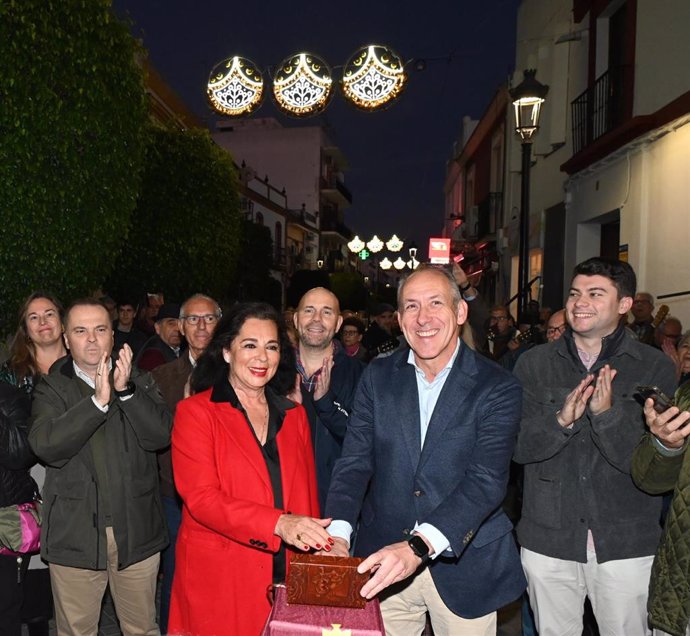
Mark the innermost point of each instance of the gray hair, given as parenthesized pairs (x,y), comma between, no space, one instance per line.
(194,297)
(455,294)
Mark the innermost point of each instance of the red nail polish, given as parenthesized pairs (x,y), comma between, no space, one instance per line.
(318,547)
(331,541)
(327,548)
(306,547)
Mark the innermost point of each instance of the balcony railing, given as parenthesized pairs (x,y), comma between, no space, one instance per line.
(302,217)
(333,184)
(600,108)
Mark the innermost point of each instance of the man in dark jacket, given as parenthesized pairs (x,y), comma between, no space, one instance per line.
(166,344)
(328,379)
(97,426)
(198,319)
(586,530)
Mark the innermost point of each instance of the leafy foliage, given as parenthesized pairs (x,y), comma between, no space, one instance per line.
(254,280)
(72,107)
(186,228)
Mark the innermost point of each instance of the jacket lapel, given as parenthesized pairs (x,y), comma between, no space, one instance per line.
(242,440)
(405,407)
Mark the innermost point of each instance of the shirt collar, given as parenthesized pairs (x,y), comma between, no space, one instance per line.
(411,360)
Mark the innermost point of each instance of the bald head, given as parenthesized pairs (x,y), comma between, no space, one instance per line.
(317,318)
(556,325)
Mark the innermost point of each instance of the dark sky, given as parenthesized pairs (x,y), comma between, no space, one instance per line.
(397,157)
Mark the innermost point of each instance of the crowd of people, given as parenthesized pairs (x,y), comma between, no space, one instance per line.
(192,450)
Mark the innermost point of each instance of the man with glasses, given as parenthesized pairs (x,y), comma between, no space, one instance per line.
(668,333)
(501,332)
(556,326)
(351,334)
(198,318)
(642,310)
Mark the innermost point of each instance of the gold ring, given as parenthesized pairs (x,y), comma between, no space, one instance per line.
(299,537)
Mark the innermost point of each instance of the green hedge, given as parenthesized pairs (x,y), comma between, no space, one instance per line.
(186,228)
(72,108)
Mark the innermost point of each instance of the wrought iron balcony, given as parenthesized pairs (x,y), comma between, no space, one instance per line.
(600,108)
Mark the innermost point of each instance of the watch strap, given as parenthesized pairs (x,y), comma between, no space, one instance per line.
(127,391)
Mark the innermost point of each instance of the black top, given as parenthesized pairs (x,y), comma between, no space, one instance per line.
(223,392)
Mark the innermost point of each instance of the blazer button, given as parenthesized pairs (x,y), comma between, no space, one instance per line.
(406,531)
(418,493)
(252,541)
(263,544)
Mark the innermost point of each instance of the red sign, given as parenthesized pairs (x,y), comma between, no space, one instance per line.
(439,251)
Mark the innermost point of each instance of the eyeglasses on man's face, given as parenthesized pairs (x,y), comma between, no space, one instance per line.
(554,330)
(193,319)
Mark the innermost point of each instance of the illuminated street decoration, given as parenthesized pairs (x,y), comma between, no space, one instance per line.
(385,263)
(399,263)
(303,85)
(375,245)
(395,244)
(373,77)
(235,87)
(356,244)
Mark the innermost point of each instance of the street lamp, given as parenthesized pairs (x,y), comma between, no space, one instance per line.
(528,96)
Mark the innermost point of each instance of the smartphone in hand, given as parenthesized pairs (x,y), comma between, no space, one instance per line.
(662,402)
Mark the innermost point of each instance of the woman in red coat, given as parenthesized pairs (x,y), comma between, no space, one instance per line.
(244,467)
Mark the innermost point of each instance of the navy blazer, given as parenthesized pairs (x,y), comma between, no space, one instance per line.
(456,482)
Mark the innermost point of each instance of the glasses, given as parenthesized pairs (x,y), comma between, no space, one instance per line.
(193,319)
(553,330)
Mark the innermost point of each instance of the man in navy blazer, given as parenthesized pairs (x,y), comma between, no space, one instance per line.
(424,469)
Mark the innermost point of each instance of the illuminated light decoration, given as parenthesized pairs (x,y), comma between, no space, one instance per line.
(356,245)
(399,263)
(386,263)
(303,85)
(395,244)
(375,245)
(373,77)
(413,263)
(364,254)
(235,87)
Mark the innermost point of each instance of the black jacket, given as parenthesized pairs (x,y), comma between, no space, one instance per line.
(63,423)
(328,417)
(580,478)
(16,485)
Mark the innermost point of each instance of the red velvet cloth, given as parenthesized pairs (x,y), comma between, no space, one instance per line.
(296,620)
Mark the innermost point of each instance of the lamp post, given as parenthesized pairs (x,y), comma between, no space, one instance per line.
(528,96)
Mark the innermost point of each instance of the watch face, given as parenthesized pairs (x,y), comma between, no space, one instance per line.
(419,546)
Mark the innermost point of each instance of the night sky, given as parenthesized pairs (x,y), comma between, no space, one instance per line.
(398,156)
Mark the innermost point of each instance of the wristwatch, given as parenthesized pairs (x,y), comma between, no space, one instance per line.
(419,547)
(127,391)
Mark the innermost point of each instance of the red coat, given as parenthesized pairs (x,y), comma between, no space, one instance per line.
(226,543)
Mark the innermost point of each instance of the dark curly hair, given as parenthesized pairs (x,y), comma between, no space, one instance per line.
(211,367)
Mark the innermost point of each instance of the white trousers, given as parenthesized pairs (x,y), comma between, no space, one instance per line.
(617,591)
